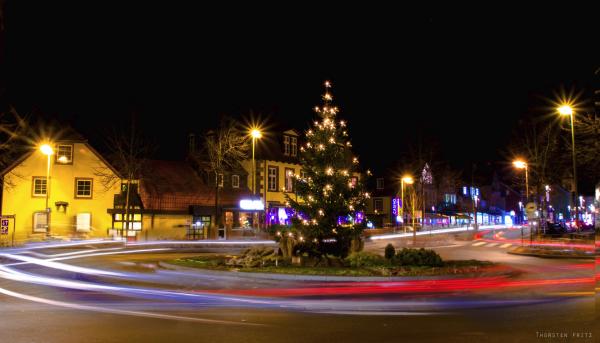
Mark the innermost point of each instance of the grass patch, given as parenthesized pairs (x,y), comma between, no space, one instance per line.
(218,262)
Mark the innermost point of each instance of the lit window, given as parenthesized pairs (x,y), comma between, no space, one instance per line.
(83,188)
(39,186)
(64,154)
(450,198)
(289,180)
(40,221)
(272,174)
(294,146)
(235,181)
(354,181)
(286,145)
(380,183)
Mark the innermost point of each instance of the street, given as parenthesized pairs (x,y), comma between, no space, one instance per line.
(106,293)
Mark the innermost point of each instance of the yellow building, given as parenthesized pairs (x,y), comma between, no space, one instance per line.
(63,194)
(277,163)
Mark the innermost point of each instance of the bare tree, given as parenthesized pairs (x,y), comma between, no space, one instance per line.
(587,135)
(224,148)
(127,153)
(13,140)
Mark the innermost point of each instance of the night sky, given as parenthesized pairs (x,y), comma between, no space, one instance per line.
(455,78)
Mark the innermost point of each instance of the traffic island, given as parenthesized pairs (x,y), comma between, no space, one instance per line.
(546,252)
(358,266)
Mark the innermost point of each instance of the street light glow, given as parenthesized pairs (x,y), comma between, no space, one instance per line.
(255,133)
(408,180)
(46,149)
(565,110)
(520,164)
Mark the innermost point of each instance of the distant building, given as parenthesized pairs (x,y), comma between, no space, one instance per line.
(176,202)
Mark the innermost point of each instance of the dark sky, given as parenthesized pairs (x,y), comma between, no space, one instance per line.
(443,74)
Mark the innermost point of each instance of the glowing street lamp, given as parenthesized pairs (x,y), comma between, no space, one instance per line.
(255,134)
(47,150)
(566,110)
(407,179)
(519,164)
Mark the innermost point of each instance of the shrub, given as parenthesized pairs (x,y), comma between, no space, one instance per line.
(418,257)
(365,259)
(389,251)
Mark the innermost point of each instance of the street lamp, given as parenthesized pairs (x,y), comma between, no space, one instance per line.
(407,179)
(47,150)
(255,134)
(519,164)
(566,110)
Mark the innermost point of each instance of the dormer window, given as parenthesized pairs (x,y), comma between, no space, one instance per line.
(286,145)
(294,146)
(64,154)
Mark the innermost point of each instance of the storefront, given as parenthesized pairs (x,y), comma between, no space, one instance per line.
(243,220)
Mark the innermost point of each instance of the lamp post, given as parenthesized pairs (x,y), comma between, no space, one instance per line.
(47,150)
(520,164)
(255,133)
(566,110)
(408,180)
(523,165)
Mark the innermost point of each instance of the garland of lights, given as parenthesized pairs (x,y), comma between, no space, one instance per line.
(331,187)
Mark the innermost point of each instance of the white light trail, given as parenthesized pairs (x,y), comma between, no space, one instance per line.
(117,311)
(438,231)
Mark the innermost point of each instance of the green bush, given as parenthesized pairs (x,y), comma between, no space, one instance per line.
(365,259)
(389,251)
(418,257)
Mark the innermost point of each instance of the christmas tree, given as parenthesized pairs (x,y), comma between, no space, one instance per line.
(328,217)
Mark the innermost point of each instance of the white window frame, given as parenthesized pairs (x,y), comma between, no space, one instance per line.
(294,141)
(235,181)
(286,145)
(83,222)
(37,226)
(382,185)
(289,179)
(272,178)
(60,153)
(220,179)
(39,178)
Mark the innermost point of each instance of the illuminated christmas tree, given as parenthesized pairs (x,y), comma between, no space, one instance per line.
(329,215)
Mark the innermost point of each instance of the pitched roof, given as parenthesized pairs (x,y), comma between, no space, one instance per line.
(175,186)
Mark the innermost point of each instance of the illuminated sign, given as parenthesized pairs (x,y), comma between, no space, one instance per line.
(396,204)
(255,205)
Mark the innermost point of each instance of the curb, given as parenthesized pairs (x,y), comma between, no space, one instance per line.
(577,257)
(300,277)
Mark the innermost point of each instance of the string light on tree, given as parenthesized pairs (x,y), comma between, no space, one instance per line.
(326,170)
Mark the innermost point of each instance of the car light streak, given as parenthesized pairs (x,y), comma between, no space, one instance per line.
(437,232)
(121,312)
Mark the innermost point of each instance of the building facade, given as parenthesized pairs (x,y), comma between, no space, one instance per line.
(65,194)
(277,168)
